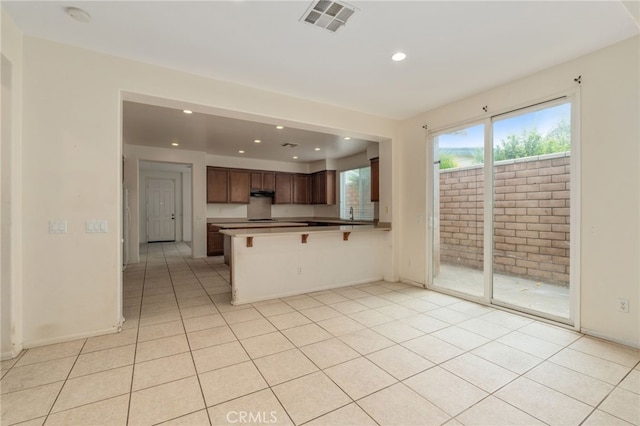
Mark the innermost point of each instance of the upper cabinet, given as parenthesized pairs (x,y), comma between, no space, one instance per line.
(301,189)
(228,185)
(263,181)
(239,186)
(217,185)
(256,181)
(323,187)
(375,179)
(235,186)
(284,188)
(268,181)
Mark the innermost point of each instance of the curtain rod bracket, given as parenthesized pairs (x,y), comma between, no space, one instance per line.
(578,79)
(485,108)
(425,127)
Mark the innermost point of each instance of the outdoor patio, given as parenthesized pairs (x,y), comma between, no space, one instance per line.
(529,294)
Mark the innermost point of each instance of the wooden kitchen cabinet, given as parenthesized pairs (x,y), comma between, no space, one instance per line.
(375,179)
(323,187)
(239,186)
(217,185)
(268,181)
(235,186)
(301,189)
(284,188)
(263,181)
(215,241)
(256,181)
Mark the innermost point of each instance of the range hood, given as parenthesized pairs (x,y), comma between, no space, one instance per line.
(262,193)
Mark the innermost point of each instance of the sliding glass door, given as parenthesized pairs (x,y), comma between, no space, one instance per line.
(458,210)
(531,211)
(521,257)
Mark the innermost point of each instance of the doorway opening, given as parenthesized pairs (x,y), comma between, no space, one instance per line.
(502,222)
(164,202)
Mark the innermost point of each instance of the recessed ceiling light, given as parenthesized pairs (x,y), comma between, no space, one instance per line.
(347,138)
(175,144)
(257,141)
(241,152)
(279,127)
(187,111)
(295,157)
(399,56)
(78,14)
(317,149)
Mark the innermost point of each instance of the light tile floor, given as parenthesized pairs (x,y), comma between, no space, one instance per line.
(377,353)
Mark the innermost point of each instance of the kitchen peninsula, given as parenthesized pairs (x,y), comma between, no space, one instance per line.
(218,244)
(268,263)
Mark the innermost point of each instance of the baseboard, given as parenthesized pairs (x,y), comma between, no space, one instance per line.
(61,339)
(11,354)
(412,282)
(236,302)
(593,333)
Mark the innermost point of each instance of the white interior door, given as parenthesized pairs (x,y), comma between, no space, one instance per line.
(161,211)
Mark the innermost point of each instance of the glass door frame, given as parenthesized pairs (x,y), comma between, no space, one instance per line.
(435,221)
(570,96)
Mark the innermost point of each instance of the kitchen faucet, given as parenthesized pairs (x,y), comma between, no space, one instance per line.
(351,212)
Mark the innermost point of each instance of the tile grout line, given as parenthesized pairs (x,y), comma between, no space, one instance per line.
(135,352)
(65,382)
(193,361)
(342,315)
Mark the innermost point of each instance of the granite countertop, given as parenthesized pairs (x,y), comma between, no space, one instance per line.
(245,224)
(286,221)
(244,232)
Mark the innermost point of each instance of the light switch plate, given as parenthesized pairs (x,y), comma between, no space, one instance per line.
(57,226)
(96,226)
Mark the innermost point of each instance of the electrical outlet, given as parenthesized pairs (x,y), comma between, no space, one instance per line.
(623,305)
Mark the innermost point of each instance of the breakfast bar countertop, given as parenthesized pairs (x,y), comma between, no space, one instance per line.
(244,232)
(247,224)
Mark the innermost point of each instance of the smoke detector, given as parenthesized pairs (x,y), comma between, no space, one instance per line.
(327,14)
(78,14)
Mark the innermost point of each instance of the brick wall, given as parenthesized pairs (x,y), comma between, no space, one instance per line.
(531,213)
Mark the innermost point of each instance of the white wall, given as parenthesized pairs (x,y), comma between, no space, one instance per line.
(256,164)
(71,141)
(610,135)
(11,197)
(5,209)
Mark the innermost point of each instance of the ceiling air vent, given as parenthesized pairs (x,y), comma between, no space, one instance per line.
(327,14)
(289,145)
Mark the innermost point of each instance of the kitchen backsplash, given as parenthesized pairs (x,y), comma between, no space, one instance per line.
(227,210)
(291,210)
(259,208)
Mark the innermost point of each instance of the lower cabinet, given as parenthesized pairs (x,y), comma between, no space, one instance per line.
(215,241)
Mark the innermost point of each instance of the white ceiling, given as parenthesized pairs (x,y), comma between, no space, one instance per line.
(158,126)
(454,49)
